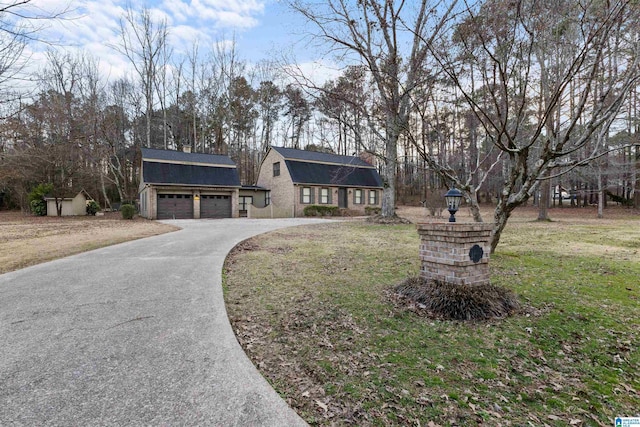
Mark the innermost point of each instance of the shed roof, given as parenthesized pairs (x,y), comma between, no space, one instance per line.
(68,195)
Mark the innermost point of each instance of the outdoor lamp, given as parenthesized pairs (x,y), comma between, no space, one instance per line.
(453,198)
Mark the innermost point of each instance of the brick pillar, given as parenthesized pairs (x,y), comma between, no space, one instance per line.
(455,252)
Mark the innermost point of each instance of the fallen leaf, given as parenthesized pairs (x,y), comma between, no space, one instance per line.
(322,405)
(575,422)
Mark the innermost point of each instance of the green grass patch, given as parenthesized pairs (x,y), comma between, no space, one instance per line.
(311,307)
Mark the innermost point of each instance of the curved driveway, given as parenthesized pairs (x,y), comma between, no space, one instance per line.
(133,334)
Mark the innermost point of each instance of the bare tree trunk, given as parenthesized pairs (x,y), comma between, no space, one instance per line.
(500,218)
(545,195)
(474,206)
(600,193)
(389,177)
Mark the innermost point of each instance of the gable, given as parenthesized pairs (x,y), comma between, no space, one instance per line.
(188,174)
(332,174)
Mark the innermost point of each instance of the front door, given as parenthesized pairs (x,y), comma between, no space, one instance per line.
(342,198)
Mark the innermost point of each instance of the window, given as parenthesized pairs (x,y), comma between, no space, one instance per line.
(306,195)
(373,197)
(276,169)
(325,196)
(244,202)
(357,197)
(267,198)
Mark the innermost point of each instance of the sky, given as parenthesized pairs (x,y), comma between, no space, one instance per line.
(263,29)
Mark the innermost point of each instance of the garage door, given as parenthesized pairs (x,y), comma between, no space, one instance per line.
(215,206)
(175,206)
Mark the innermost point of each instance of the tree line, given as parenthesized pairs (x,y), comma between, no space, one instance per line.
(512,102)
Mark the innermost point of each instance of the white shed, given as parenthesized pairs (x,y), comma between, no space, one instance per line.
(76,205)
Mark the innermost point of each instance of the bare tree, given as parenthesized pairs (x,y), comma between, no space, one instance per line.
(143,42)
(390,38)
(21,23)
(501,44)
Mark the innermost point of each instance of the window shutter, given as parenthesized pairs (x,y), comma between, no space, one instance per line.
(354,196)
(312,193)
(330,199)
(301,194)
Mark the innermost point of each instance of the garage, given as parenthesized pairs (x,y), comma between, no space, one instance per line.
(175,184)
(175,206)
(215,206)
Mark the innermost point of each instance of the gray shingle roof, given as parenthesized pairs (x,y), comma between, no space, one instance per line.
(179,168)
(179,156)
(313,156)
(181,174)
(311,167)
(332,174)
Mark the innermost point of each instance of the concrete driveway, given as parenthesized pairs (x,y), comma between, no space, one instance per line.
(133,334)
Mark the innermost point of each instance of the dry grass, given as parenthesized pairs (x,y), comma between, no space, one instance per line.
(310,307)
(29,240)
(617,235)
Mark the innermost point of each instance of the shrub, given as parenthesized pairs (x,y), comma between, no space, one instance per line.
(320,210)
(127,211)
(620,199)
(38,207)
(458,302)
(37,203)
(372,210)
(92,207)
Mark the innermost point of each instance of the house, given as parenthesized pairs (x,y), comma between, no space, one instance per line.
(71,204)
(181,185)
(298,178)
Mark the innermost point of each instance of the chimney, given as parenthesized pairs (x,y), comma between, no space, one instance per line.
(186,148)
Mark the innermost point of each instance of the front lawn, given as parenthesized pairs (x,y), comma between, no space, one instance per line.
(311,307)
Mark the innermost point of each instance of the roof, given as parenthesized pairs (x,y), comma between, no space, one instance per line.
(179,168)
(68,196)
(311,167)
(254,187)
(338,175)
(314,156)
(181,174)
(181,157)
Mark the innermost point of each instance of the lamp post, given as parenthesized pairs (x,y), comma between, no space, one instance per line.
(453,198)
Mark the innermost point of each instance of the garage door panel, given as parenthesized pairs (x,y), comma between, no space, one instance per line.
(215,206)
(175,206)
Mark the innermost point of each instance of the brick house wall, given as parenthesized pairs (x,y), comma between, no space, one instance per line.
(358,208)
(286,194)
(281,186)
